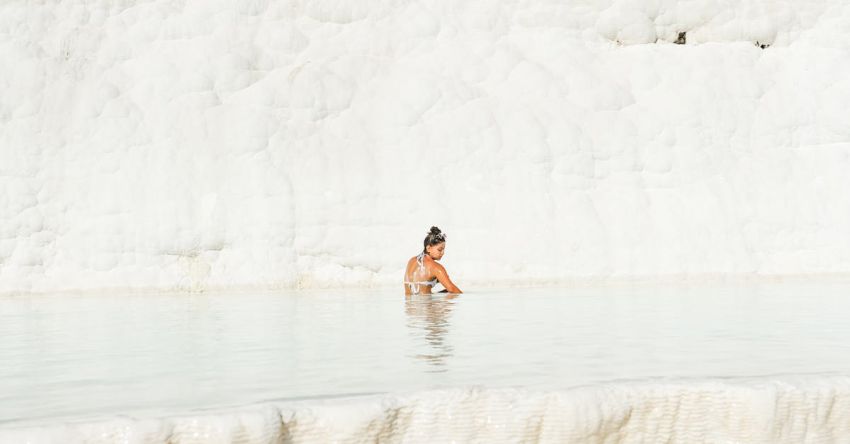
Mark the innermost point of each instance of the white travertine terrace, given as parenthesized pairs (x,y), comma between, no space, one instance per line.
(218,143)
(777,411)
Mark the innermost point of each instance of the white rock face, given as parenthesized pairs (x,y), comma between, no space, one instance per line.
(209,143)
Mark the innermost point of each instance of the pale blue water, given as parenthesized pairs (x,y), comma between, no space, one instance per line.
(69,357)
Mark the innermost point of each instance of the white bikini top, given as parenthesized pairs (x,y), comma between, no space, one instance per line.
(420,259)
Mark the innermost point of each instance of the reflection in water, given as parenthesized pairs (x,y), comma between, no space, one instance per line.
(427,317)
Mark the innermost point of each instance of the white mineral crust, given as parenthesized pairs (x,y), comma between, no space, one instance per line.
(217,143)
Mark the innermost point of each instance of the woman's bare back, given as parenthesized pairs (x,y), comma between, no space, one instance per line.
(418,277)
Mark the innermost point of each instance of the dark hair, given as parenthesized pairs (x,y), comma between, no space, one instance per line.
(434,237)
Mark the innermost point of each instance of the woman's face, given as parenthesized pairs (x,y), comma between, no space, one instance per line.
(436,251)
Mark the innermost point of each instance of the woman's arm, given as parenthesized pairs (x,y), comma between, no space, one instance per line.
(443,277)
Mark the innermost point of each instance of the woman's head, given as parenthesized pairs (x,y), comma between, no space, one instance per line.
(435,243)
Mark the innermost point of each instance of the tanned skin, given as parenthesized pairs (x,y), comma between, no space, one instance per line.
(432,269)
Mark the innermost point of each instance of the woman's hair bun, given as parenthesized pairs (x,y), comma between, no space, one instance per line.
(434,237)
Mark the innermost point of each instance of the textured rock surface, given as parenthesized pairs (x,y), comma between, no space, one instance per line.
(814,410)
(200,144)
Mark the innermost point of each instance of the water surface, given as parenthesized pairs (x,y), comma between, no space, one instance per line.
(72,357)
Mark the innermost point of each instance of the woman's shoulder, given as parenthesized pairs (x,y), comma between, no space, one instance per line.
(430,262)
(411,260)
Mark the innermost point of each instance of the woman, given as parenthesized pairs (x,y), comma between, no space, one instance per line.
(423,272)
